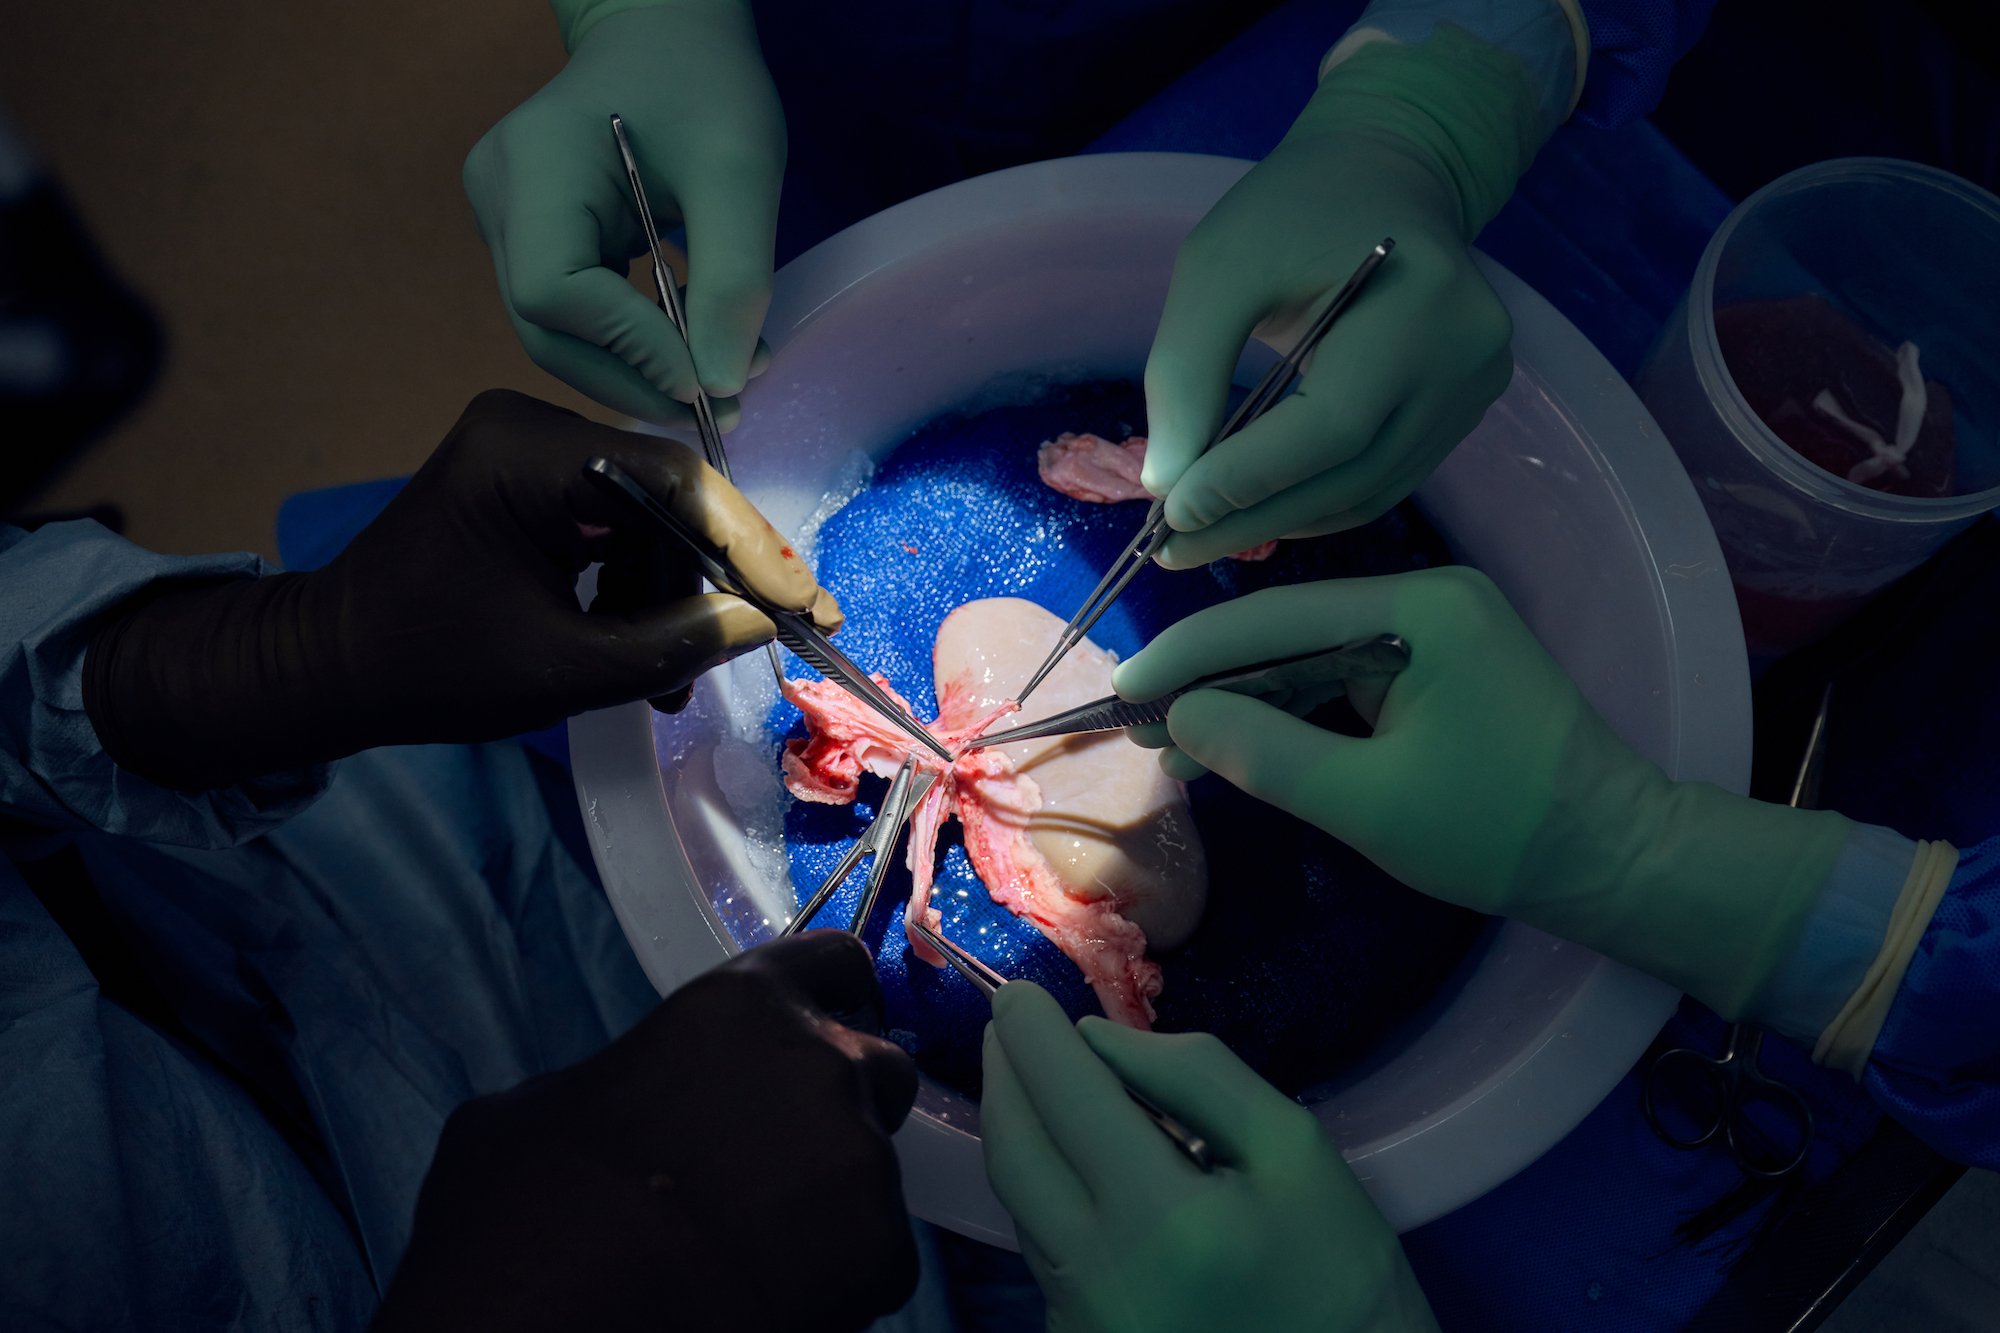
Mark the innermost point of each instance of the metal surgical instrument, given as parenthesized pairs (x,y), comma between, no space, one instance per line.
(1192,1145)
(1153,533)
(906,793)
(1734,1077)
(670,301)
(1383,655)
(795,630)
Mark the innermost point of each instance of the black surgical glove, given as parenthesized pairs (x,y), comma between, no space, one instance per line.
(724,1165)
(451,617)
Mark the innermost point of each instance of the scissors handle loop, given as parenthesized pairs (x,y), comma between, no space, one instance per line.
(1711,1069)
(1737,1082)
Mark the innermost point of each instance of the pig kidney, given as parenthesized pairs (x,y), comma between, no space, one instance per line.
(1111,823)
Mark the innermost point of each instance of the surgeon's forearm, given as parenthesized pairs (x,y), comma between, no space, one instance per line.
(1474,86)
(1701,888)
(1801,920)
(1550,39)
(195,688)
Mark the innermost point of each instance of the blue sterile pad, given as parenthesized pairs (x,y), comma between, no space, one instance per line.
(1307,952)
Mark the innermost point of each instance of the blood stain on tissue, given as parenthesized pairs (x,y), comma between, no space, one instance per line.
(995,803)
(1093,469)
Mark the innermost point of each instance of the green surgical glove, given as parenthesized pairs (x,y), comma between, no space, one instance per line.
(1421,143)
(550,194)
(1489,782)
(1123,1233)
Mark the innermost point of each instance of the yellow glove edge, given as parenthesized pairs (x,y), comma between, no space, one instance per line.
(1850,1037)
(1704,889)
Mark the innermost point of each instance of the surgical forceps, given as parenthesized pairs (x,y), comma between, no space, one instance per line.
(1286,678)
(795,629)
(906,793)
(1733,1077)
(1192,1145)
(1153,533)
(670,301)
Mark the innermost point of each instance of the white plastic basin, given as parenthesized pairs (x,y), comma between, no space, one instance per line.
(1567,495)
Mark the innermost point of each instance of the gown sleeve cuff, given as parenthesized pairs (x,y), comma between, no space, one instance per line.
(58,586)
(1550,37)
(1842,937)
(1848,1040)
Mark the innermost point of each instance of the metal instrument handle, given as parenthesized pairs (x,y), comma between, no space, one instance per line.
(795,631)
(987,982)
(1736,1080)
(803,917)
(1711,1068)
(878,839)
(883,834)
(670,301)
(983,978)
(1153,533)
(1383,655)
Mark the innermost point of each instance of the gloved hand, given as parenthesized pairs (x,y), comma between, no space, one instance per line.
(550,194)
(1123,1233)
(1491,783)
(1420,143)
(452,617)
(724,1165)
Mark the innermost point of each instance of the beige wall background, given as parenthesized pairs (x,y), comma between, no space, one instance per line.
(281,180)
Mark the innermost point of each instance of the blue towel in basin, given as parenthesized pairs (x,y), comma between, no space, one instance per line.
(1307,953)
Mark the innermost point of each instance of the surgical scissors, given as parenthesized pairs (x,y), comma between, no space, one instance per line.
(986,981)
(1736,1081)
(1153,533)
(906,793)
(1734,1077)
(1302,674)
(795,630)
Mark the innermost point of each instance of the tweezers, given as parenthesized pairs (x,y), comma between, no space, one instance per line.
(670,301)
(906,793)
(1153,533)
(795,631)
(669,293)
(984,979)
(1383,655)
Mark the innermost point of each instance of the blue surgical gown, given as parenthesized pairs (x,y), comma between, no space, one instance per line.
(232,1023)
(1936,1063)
(344,955)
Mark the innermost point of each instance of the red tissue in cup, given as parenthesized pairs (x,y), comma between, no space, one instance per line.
(1839,397)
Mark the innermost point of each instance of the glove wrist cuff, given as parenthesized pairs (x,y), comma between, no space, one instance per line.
(1551,38)
(1849,1039)
(1469,111)
(1705,890)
